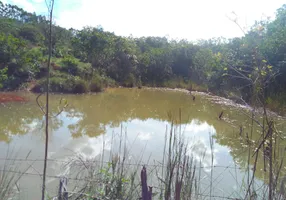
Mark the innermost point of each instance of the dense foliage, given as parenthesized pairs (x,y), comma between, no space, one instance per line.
(91,59)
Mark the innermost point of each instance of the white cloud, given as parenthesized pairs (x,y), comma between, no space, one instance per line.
(191,19)
(145,136)
(25,4)
(38,1)
(197,127)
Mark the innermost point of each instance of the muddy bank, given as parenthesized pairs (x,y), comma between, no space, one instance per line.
(222,101)
(6,97)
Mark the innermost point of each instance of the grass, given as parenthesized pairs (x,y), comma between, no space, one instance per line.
(178,169)
(10,174)
(111,179)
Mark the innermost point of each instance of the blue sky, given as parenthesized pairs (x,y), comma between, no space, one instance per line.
(178,19)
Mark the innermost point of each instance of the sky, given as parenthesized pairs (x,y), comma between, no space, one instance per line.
(176,19)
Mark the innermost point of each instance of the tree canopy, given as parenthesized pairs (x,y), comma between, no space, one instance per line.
(91,58)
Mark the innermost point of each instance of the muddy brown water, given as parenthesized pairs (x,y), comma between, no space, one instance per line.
(144,114)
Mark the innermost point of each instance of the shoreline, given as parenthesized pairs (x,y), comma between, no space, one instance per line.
(209,95)
(222,101)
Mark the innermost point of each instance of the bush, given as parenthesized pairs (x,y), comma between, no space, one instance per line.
(277,102)
(130,81)
(61,51)
(95,86)
(98,83)
(79,85)
(85,70)
(3,76)
(73,84)
(58,84)
(70,65)
(108,82)
(31,33)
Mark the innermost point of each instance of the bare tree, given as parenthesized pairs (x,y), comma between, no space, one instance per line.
(50,6)
(258,79)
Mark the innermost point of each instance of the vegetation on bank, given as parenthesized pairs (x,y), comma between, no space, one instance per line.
(91,59)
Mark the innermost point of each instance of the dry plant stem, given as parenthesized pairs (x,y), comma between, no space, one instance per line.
(163,164)
(249,151)
(146,193)
(253,176)
(47,100)
(270,164)
(169,167)
(263,145)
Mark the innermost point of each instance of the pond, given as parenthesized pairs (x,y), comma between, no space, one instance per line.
(90,122)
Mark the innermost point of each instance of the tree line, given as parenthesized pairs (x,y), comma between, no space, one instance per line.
(91,59)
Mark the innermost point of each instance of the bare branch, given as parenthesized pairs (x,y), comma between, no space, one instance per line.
(61,110)
(37,100)
(235,20)
(245,77)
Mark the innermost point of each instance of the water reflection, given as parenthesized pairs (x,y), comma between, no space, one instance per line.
(22,118)
(92,124)
(92,113)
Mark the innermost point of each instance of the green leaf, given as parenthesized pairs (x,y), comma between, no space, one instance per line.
(225,68)
(263,73)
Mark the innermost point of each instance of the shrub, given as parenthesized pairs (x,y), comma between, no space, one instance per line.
(108,82)
(70,65)
(3,76)
(31,33)
(85,70)
(58,84)
(98,83)
(61,51)
(95,85)
(79,85)
(277,103)
(130,81)
(72,84)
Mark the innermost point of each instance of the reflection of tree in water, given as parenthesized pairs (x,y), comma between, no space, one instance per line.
(90,130)
(239,145)
(90,114)
(115,106)
(94,112)
(22,118)
(16,119)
